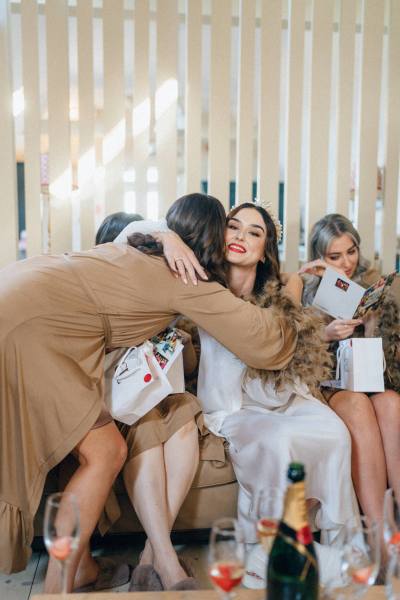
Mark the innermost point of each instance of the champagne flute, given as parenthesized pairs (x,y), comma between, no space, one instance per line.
(361,555)
(226,556)
(61,531)
(269,508)
(391,520)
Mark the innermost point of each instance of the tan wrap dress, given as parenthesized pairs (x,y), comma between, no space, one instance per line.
(58,314)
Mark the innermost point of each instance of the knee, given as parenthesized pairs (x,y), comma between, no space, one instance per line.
(353,407)
(188,429)
(387,406)
(109,454)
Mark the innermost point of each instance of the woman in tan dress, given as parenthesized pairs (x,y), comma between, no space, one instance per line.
(58,316)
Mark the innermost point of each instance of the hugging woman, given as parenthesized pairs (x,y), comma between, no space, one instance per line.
(58,317)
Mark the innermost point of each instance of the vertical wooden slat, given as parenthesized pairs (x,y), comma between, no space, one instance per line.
(366,191)
(219,107)
(114,104)
(269,103)
(8,204)
(30,75)
(58,126)
(87,154)
(391,195)
(293,134)
(348,11)
(193,95)
(141,103)
(166,101)
(245,112)
(321,68)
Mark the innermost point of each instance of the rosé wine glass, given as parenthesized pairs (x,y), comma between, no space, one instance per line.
(62,531)
(226,556)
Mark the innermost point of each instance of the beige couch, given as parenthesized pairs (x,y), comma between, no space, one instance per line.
(213,495)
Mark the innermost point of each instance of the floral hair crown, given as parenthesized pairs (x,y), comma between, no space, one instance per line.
(268,207)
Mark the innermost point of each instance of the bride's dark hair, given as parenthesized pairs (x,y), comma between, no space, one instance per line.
(199,220)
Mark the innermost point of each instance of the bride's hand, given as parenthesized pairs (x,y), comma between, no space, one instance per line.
(340,329)
(180,258)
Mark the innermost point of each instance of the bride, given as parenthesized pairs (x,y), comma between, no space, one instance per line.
(271,418)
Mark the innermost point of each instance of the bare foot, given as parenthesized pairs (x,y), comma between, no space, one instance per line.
(87,571)
(169,570)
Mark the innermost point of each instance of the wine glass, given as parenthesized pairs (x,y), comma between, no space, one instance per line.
(269,507)
(361,555)
(391,520)
(226,556)
(61,530)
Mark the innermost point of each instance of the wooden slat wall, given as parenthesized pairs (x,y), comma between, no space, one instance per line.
(347,29)
(245,112)
(193,133)
(269,103)
(219,130)
(30,76)
(166,101)
(8,203)
(113,118)
(366,184)
(59,165)
(293,134)
(391,191)
(141,103)
(321,72)
(209,153)
(87,154)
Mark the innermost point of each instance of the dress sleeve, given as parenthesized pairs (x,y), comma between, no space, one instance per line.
(260,337)
(144,226)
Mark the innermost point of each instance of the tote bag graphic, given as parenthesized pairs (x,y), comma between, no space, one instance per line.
(139,382)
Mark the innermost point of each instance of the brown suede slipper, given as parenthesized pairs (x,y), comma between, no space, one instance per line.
(190,583)
(145,579)
(111,575)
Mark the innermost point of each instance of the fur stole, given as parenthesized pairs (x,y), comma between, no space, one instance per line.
(311,362)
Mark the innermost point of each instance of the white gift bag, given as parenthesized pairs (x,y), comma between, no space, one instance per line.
(360,365)
(138,382)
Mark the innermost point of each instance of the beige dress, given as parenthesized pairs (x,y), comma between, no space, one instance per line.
(58,314)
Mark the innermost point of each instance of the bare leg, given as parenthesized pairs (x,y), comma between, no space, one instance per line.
(367,457)
(101,454)
(387,409)
(150,487)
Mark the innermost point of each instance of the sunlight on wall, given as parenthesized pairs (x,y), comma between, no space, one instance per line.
(166,95)
(114,142)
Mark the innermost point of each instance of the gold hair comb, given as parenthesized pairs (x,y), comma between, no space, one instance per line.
(268,207)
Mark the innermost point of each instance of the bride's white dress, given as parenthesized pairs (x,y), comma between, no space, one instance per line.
(266,430)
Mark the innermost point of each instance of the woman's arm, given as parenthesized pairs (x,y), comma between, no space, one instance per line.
(292,286)
(180,258)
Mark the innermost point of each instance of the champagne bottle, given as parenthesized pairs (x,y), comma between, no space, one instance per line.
(292,572)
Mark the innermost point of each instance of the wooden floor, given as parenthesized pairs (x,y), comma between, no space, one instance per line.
(22,586)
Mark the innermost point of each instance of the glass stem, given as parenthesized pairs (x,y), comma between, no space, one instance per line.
(64,578)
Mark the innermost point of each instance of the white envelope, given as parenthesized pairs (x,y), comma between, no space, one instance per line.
(337,295)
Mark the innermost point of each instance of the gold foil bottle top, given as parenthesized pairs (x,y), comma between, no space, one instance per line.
(295,513)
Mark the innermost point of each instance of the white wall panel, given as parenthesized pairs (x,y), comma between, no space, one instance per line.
(245,111)
(269,103)
(347,32)
(366,185)
(219,131)
(321,72)
(113,121)
(59,163)
(141,103)
(87,154)
(391,190)
(30,76)
(291,226)
(193,96)
(166,101)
